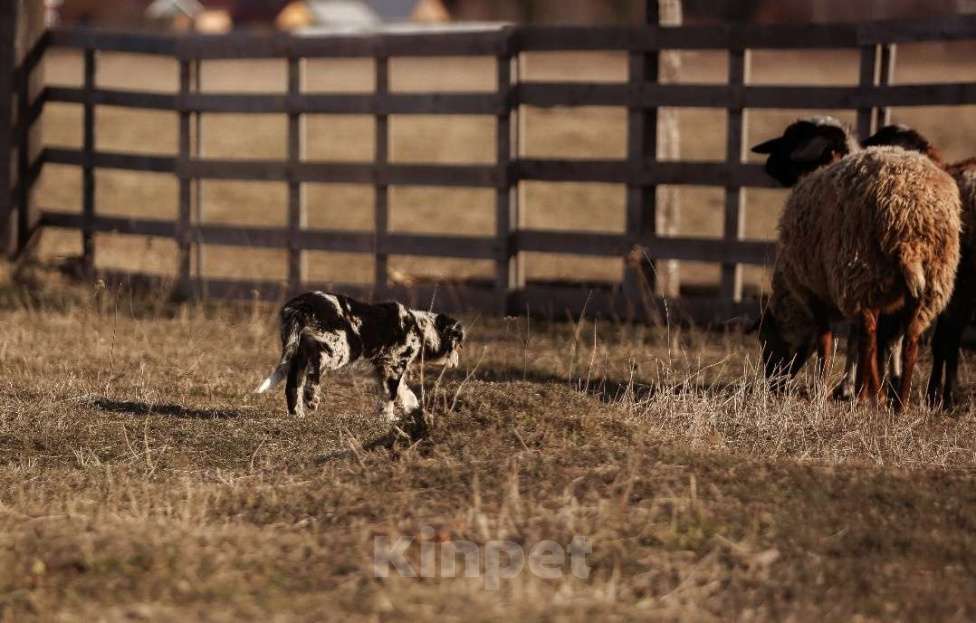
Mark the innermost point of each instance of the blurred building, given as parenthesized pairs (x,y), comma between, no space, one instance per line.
(698,11)
(213,15)
(219,15)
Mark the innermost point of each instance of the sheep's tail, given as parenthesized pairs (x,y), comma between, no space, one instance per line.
(291,335)
(914,275)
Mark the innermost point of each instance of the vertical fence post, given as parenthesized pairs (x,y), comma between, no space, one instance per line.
(8,38)
(183,227)
(735,195)
(641,149)
(88,167)
(887,76)
(507,269)
(381,208)
(23,158)
(197,216)
(297,218)
(868,78)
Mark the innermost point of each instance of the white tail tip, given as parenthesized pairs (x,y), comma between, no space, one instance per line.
(265,385)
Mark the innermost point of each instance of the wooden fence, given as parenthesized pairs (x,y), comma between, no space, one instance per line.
(641,172)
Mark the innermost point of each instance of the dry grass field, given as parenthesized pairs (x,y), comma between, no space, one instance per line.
(563,133)
(141,480)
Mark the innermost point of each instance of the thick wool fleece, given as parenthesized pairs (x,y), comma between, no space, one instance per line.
(866,232)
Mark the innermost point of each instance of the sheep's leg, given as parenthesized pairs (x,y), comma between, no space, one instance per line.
(891,327)
(945,355)
(825,350)
(848,386)
(909,355)
(939,342)
(870,377)
(945,345)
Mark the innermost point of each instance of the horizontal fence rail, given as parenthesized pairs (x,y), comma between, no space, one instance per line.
(642,171)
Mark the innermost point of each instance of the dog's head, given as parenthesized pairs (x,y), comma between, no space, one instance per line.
(443,340)
(805,146)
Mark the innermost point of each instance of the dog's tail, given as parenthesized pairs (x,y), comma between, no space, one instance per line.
(291,337)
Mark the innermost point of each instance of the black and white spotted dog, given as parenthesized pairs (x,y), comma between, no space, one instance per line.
(321,332)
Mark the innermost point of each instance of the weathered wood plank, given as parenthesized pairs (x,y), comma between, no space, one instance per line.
(886,78)
(348,173)
(381,191)
(600,171)
(114,97)
(112,160)
(184,239)
(297,216)
(868,77)
(305,103)
(88,167)
(734,223)
(10,136)
(558,301)
(577,243)
(507,265)
(642,147)
(542,95)
(755,252)
(110,224)
(109,41)
(469,247)
(551,94)
(465,247)
(621,172)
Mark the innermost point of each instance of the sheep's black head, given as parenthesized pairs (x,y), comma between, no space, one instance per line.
(906,138)
(806,146)
(783,354)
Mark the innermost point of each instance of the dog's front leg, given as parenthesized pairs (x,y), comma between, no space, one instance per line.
(389,376)
(408,400)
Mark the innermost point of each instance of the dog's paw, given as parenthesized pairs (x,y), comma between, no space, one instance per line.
(387,412)
(311,402)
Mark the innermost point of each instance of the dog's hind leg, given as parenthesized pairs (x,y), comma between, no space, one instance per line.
(296,379)
(313,379)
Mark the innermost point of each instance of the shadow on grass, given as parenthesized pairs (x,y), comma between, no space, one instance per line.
(609,390)
(405,434)
(171,410)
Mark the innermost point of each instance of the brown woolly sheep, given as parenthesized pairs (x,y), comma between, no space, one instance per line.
(872,232)
(825,140)
(949,328)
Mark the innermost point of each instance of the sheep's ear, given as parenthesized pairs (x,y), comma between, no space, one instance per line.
(768,147)
(813,150)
